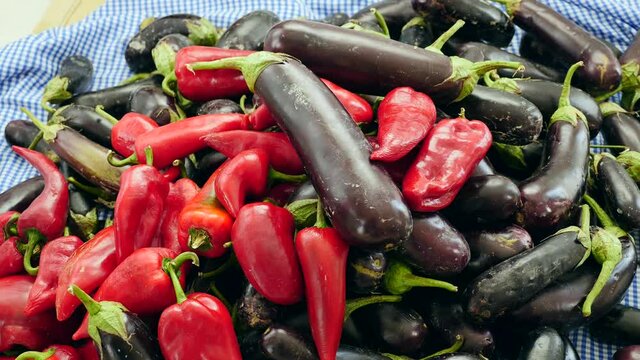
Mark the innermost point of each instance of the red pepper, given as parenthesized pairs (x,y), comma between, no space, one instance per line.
(127,129)
(396,169)
(173,172)
(139,207)
(282,156)
(446,160)
(140,283)
(54,352)
(211,84)
(405,117)
(262,238)
(53,257)
(10,257)
(87,268)
(180,194)
(46,217)
(323,257)
(89,351)
(8,224)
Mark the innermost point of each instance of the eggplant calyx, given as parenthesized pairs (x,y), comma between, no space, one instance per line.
(607,251)
(597,158)
(303,211)
(469,72)
(511,5)
(630,75)
(164,57)
(504,84)
(87,223)
(611,108)
(630,98)
(49,131)
(202,32)
(630,160)
(437,45)
(605,220)
(55,92)
(565,111)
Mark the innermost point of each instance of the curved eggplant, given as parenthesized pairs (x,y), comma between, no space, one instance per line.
(281,343)
(620,127)
(365,271)
(631,352)
(254,311)
(621,325)
(396,14)
(490,247)
(153,102)
(620,191)
(219,106)
(22,133)
(19,197)
(249,31)
(86,121)
(139,344)
(544,343)
(417,33)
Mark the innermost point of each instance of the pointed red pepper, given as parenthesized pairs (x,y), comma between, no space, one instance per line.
(282,156)
(127,129)
(87,268)
(53,257)
(405,117)
(139,207)
(54,352)
(262,238)
(323,257)
(180,194)
(446,160)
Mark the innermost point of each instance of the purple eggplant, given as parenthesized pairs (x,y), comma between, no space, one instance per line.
(282,343)
(417,32)
(219,106)
(620,127)
(365,271)
(620,191)
(22,133)
(74,77)
(254,311)
(336,19)
(484,167)
(490,247)
(153,102)
(621,325)
(19,197)
(543,343)
(86,121)
(305,191)
(249,31)
(396,14)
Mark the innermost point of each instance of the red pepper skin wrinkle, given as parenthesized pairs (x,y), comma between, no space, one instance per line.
(48,212)
(198,328)
(405,117)
(446,160)
(323,257)
(262,238)
(245,174)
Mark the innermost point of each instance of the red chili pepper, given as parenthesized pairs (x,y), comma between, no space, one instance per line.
(323,257)
(87,268)
(46,217)
(180,194)
(211,84)
(139,207)
(262,238)
(54,352)
(54,255)
(127,129)
(140,283)
(10,257)
(446,160)
(405,117)
(282,156)
(8,222)
(173,172)
(89,351)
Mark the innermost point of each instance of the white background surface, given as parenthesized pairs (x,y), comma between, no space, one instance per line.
(19,17)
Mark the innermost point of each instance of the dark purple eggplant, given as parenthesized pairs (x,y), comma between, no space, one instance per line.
(19,197)
(365,271)
(543,343)
(601,70)
(396,14)
(621,325)
(620,127)
(115,100)
(219,106)
(207,162)
(515,281)
(570,352)
(346,352)
(372,64)
(630,62)
(490,247)
(164,52)
(336,19)
(620,191)
(138,50)
(484,168)
(458,356)
(74,77)
(435,246)
(631,352)
(485,22)
(416,32)
(535,50)
(305,191)
(281,343)
(511,118)
(86,121)
(249,31)
(153,102)
(254,311)
(485,200)
(22,133)
(516,162)
(83,214)
(139,344)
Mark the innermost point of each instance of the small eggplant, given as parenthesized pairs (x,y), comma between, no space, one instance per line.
(620,127)
(631,352)
(396,14)
(337,19)
(254,311)
(484,167)
(490,247)
(86,121)
(543,343)
(153,102)
(516,162)
(20,196)
(83,215)
(22,133)
(219,106)
(620,191)
(249,31)
(281,343)
(164,53)
(417,33)
(74,77)
(365,271)
(621,325)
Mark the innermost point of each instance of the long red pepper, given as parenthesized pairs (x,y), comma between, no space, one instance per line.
(262,238)
(139,207)
(87,268)
(46,217)
(53,257)
(179,195)
(323,257)
(282,156)
(54,352)
(446,160)
(140,283)
(127,129)
(405,116)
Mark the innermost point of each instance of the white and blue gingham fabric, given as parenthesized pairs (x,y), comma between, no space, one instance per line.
(26,65)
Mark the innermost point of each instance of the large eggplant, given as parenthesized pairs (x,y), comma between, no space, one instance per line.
(86,121)
(74,77)
(20,196)
(153,102)
(22,133)
(491,246)
(249,31)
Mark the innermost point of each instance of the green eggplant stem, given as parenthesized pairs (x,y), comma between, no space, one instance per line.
(601,214)
(36,355)
(131,160)
(382,22)
(242,104)
(92,306)
(609,147)
(34,238)
(135,77)
(566,86)
(172,268)
(45,105)
(399,279)
(36,140)
(321,220)
(275,175)
(231,261)
(567,112)
(105,115)
(607,250)
(451,349)
(48,131)
(355,304)
(437,45)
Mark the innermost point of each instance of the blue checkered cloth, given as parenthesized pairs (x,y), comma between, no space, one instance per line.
(26,65)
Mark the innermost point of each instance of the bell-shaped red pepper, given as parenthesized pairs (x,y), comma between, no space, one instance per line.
(53,257)
(127,129)
(87,268)
(262,238)
(446,160)
(54,352)
(323,257)
(139,207)
(405,117)
(180,194)
(141,284)
(396,169)
(10,257)
(282,156)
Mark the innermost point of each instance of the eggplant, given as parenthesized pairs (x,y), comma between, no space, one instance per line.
(490,247)
(484,167)
(336,19)
(396,14)
(630,61)
(620,127)
(86,121)
(435,246)
(74,77)
(19,197)
(619,190)
(511,118)
(485,22)
(631,352)
(115,100)
(416,32)
(83,214)
(219,106)
(304,192)
(249,31)
(281,343)
(22,133)
(535,50)
(346,352)
(543,343)
(365,271)
(621,325)
(164,52)
(153,102)
(138,50)
(458,356)
(254,311)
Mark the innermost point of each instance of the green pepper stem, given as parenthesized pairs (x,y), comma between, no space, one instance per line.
(110,118)
(131,160)
(36,140)
(355,304)
(566,85)
(275,175)
(92,306)
(172,268)
(36,355)
(167,84)
(242,103)
(321,220)
(601,214)
(437,45)
(93,190)
(382,22)
(398,279)
(451,349)
(34,238)
(231,260)
(148,154)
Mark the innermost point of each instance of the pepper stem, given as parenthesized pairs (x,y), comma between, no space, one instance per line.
(172,268)
(131,160)
(148,154)
(243,101)
(231,260)
(36,355)
(167,84)
(275,175)
(437,45)
(451,349)
(110,118)
(355,304)
(607,250)
(36,140)
(48,131)
(382,22)
(321,220)
(34,238)
(199,240)
(93,190)
(92,306)
(217,293)
(399,279)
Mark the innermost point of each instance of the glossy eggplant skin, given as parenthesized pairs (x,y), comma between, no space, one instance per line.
(303,192)
(416,33)
(153,102)
(346,352)
(395,12)
(141,344)
(622,129)
(86,121)
(249,31)
(549,197)
(20,196)
(365,271)
(219,106)
(558,305)
(458,356)
(356,195)
(511,118)
(485,200)
(341,55)
(621,325)
(515,281)
(114,99)
(435,246)
(620,192)
(254,311)
(22,133)
(535,50)
(631,352)
(491,246)
(78,70)
(543,343)
(484,167)
(484,22)
(281,343)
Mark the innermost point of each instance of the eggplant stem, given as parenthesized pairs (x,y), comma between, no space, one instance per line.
(148,154)
(437,45)
(92,306)
(321,220)
(275,175)
(104,114)
(601,214)
(355,304)
(382,22)
(131,160)
(451,349)
(36,140)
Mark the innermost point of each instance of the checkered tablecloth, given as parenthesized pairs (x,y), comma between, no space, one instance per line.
(26,65)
